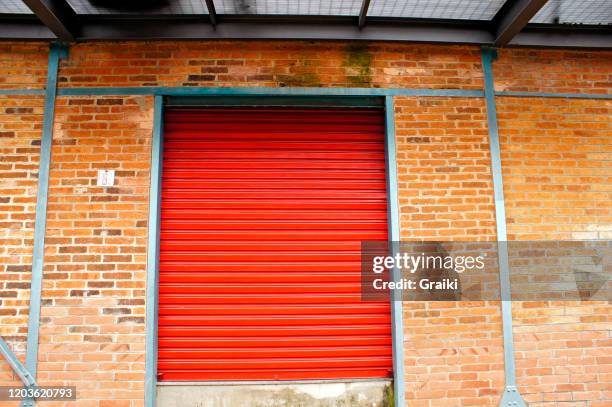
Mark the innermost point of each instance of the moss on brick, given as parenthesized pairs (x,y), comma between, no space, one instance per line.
(358,60)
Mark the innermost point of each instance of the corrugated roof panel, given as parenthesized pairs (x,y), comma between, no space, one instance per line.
(595,12)
(440,9)
(256,7)
(139,7)
(289,7)
(14,7)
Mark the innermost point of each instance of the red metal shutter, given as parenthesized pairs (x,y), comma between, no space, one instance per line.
(263,212)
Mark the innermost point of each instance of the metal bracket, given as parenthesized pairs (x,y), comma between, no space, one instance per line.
(27,403)
(512,398)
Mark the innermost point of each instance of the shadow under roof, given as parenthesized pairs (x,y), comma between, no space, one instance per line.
(541,23)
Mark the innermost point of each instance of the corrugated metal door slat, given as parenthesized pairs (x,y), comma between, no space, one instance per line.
(263,212)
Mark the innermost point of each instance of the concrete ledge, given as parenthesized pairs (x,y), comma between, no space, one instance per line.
(302,394)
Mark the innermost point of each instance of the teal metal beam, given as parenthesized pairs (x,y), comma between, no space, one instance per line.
(57,51)
(397,321)
(212,91)
(312,92)
(511,397)
(272,101)
(24,374)
(267,91)
(604,96)
(153,254)
(22,91)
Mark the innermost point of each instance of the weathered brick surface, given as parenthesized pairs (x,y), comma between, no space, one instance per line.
(444,168)
(20,131)
(453,349)
(557,160)
(520,69)
(563,352)
(272,63)
(556,156)
(23,65)
(92,327)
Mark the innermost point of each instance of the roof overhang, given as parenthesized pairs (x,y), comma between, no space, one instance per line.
(55,20)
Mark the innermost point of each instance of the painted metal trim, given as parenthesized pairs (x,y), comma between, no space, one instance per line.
(153,254)
(177,92)
(397,322)
(22,91)
(274,101)
(267,91)
(555,95)
(57,51)
(256,91)
(24,374)
(511,396)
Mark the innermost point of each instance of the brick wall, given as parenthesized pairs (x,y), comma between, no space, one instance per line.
(23,65)
(444,168)
(557,160)
(453,350)
(555,154)
(20,131)
(519,69)
(272,63)
(92,324)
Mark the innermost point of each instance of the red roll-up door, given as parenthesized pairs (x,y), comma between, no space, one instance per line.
(263,212)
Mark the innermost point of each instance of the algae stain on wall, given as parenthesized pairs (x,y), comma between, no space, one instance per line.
(358,62)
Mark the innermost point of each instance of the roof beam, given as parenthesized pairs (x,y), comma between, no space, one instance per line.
(513,17)
(308,30)
(596,37)
(212,13)
(57,15)
(25,29)
(363,13)
(377,29)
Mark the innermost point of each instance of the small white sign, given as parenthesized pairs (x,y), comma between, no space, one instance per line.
(106,178)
